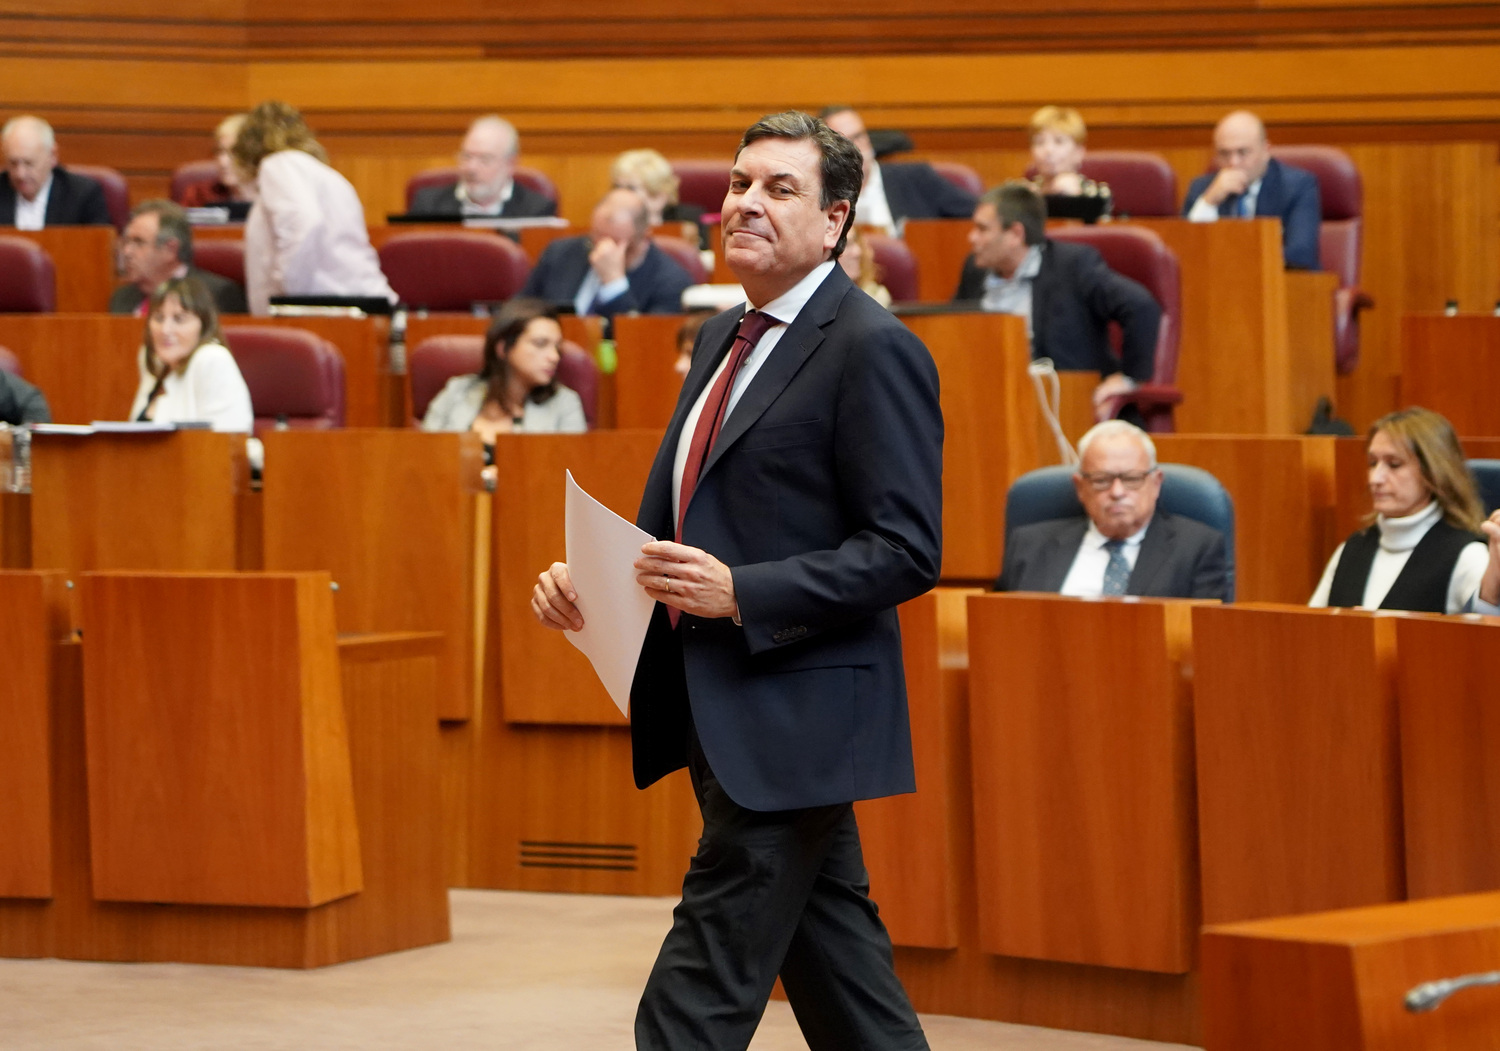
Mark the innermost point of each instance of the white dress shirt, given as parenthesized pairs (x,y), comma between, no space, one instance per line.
(784,309)
(1398,538)
(306,235)
(1012,295)
(32,214)
(1203,212)
(468,207)
(1085,578)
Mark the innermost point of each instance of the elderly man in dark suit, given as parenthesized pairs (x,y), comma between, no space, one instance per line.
(1065,291)
(894,192)
(486,184)
(798,494)
(35,191)
(157,245)
(1121,545)
(615,269)
(1250,182)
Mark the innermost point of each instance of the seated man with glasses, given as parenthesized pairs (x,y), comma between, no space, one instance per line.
(1122,545)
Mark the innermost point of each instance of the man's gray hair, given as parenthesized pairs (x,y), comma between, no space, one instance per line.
(1116,429)
(494,120)
(42,128)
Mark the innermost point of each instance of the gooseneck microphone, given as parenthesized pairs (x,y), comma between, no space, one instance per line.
(1429,995)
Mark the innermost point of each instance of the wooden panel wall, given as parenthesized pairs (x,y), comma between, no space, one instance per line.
(138,84)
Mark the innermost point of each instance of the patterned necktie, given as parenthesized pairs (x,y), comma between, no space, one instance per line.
(753,326)
(1117,573)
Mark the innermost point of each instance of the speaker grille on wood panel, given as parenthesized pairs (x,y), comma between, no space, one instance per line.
(552,854)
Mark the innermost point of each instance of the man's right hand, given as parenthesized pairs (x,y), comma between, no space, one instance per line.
(607,258)
(1230,182)
(553,597)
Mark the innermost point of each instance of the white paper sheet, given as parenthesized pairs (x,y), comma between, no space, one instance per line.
(602,549)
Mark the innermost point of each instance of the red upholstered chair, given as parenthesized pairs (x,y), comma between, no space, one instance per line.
(1142,256)
(704,183)
(116,190)
(685,254)
(960,175)
(28,280)
(1139,183)
(10,363)
(437,359)
(293,375)
(527,177)
(221,255)
(453,269)
(193,173)
(895,267)
(1340,237)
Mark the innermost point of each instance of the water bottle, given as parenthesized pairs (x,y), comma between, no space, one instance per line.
(20,460)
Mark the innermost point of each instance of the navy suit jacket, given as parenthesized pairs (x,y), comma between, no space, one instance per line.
(915,190)
(655,286)
(1179,558)
(524,203)
(74,200)
(1287,193)
(1073,299)
(823,494)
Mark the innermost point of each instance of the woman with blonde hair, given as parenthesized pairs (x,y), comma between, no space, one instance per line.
(306,232)
(1422,549)
(1058,135)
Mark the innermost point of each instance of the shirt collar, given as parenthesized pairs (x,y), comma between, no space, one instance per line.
(1092,538)
(785,307)
(1031,265)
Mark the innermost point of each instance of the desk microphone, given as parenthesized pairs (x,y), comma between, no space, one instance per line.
(1429,995)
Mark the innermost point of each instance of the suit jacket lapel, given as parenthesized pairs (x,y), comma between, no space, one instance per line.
(1057,556)
(801,338)
(1156,546)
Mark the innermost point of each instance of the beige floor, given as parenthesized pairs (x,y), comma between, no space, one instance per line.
(523,971)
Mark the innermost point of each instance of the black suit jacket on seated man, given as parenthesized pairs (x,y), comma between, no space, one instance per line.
(74,200)
(229,297)
(1074,297)
(915,190)
(656,285)
(1179,558)
(1286,193)
(823,494)
(524,202)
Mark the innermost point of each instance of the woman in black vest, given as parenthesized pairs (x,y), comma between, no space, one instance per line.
(1422,549)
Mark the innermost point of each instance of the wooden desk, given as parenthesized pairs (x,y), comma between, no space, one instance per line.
(1447,688)
(137,501)
(86,363)
(1282,489)
(1336,981)
(84,260)
(1451,365)
(1299,782)
(646,383)
(1083,797)
(387,692)
(401,521)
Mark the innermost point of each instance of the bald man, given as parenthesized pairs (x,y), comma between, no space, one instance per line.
(486,178)
(1251,183)
(615,269)
(35,191)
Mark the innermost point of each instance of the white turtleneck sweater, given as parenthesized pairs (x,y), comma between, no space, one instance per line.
(1398,536)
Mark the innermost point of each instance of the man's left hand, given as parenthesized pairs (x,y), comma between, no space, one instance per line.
(688,578)
(1119,383)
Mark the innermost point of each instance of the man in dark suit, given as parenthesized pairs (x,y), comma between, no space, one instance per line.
(1066,292)
(1250,182)
(1121,545)
(158,245)
(895,192)
(35,192)
(486,183)
(615,269)
(772,669)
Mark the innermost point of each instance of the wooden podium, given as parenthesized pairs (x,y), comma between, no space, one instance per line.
(1299,780)
(1451,365)
(1083,798)
(1337,981)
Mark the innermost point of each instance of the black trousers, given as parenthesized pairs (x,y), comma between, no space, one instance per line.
(785,892)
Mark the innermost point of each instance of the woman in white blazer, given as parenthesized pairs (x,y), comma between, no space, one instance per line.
(187,374)
(306,232)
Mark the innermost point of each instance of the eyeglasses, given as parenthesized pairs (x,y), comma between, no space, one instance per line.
(1101,481)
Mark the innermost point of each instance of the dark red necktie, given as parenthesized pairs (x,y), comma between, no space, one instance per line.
(753,326)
